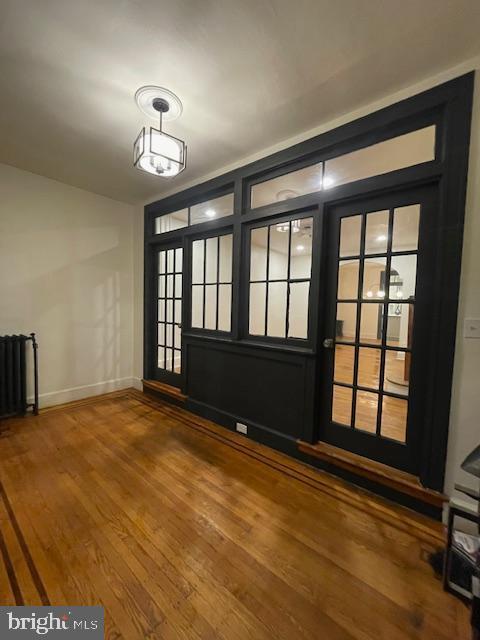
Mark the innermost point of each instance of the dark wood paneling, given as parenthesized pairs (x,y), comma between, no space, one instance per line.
(255,385)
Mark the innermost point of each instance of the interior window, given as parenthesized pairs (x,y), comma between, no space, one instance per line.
(171,221)
(196,214)
(279,285)
(286,186)
(212,209)
(212,283)
(389,155)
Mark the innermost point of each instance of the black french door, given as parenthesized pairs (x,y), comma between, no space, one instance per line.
(378,325)
(168,320)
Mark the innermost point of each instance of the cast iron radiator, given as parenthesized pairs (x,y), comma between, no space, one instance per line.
(13,375)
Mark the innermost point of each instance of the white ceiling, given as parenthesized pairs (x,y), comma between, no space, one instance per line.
(250,74)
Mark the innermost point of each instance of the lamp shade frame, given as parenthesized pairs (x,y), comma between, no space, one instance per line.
(143,147)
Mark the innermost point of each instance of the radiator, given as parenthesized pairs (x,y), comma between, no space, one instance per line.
(13,375)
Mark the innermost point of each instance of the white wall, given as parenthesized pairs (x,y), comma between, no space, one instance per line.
(66,273)
(465,408)
(138,296)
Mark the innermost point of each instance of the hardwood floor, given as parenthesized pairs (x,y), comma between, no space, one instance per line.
(180,532)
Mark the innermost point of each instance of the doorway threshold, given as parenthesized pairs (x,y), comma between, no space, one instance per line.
(164,392)
(381,474)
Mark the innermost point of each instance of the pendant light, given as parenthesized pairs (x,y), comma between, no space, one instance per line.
(155,151)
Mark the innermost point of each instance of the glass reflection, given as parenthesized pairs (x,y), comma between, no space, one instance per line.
(368,367)
(342,405)
(405,228)
(374,270)
(344,363)
(400,325)
(348,279)
(403,276)
(366,411)
(350,233)
(394,418)
(376,232)
(346,321)
(397,372)
(371,327)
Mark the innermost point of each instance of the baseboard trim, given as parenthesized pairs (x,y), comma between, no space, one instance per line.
(256,432)
(63,396)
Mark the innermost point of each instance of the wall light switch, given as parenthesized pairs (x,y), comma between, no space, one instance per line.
(471,328)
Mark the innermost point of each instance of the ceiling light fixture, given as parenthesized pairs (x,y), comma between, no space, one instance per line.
(283,227)
(210,213)
(300,247)
(154,151)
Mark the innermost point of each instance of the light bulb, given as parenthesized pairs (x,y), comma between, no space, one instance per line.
(381,238)
(380,294)
(328,181)
(369,294)
(210,213)
(300,247)
(399,294)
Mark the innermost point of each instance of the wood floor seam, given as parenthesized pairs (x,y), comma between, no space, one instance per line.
(12,578)
(35,575)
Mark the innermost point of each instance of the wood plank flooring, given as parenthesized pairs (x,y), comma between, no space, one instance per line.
(180,534)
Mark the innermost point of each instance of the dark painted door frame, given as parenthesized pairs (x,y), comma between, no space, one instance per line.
(406,456)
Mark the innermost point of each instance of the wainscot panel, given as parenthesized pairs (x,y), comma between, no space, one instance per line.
(256,385)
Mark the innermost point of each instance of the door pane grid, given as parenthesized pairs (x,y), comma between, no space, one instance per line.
(358,321)
(279,279)
(265,331)
(169,310)
(211,287)
(385,296)
(384,321)
(204,313)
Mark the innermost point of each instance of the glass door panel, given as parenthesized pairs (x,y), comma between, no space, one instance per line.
(169,314)
(378,275)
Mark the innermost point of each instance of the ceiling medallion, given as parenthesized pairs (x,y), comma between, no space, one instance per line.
(155,151)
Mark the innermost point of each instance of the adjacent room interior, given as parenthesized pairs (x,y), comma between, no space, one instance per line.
(240,318)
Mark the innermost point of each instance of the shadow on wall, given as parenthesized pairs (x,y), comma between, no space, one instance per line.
(72,286)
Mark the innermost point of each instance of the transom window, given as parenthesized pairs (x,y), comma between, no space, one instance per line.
(377,268)
(205,211)
(212,283)
(279,283)
(390,155)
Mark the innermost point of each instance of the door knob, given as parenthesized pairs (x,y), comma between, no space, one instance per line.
(328,343)
(178,324)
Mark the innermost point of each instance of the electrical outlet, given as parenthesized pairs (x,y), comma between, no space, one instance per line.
(471,328)
(241,428)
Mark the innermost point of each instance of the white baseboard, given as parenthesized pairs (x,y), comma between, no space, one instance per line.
(137,384)
(78,393)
